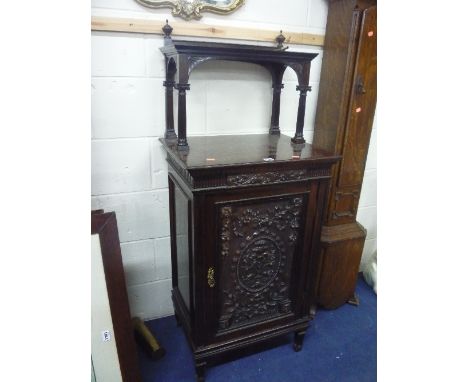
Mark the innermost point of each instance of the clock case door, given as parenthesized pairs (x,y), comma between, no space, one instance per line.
(257,247)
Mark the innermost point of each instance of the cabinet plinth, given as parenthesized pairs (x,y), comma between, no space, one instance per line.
(245,216)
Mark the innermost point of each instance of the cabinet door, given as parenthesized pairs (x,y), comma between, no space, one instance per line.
(259,259)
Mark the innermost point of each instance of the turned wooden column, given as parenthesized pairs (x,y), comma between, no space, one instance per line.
(170,132)
(275,109)
(169,84)
(277,72)
(182,86)
(299,136)
(182,116)
(343,124)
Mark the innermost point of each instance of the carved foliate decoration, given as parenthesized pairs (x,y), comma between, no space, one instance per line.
(258,243)
(266,177)
(251,179)
(258,264)
(225,233)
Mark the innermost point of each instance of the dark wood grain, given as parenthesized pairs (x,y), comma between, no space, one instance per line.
(105,225)
(257,225)
(277,86)
(362,103)
(229,151)
(342,246)
(169,84)
(343,124)
(187,55)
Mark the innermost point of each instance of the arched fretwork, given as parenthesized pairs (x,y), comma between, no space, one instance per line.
(187,55)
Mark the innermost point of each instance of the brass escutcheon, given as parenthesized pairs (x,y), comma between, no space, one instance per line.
(210,277)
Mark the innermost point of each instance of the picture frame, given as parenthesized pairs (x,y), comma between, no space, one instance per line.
(192,9)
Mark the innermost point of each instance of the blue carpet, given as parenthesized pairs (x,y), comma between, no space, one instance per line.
(340,346)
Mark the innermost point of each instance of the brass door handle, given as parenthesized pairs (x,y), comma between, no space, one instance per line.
(210,277)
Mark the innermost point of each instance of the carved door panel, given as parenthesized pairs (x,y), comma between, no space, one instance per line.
(258,257)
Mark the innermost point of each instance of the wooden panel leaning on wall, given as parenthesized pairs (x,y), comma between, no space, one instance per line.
(105,226)
(343,124)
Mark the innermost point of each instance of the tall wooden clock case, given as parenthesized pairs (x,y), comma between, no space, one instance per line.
(345,111)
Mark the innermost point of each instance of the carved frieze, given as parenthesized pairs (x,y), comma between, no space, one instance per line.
(223,179)
(266,177)
(259,240)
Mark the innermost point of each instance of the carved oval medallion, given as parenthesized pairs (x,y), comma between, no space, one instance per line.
(258,264)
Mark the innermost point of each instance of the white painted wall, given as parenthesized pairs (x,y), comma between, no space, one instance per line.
(129,173)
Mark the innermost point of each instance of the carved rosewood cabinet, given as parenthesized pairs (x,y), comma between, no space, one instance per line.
(245,213)
(244,239)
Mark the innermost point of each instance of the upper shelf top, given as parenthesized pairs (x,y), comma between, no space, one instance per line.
(238,51)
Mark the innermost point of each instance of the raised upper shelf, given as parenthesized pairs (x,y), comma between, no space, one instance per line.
(237,52)
(183,56)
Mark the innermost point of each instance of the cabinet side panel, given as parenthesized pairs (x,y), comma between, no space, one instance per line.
(182,239)
(173,232)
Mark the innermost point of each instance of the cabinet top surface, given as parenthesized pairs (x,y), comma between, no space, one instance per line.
(232,150)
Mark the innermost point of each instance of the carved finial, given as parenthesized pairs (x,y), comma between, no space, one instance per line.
(167,29)
(279,40)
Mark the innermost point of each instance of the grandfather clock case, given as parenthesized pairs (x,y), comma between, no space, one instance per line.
(246,214)
(343,124)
